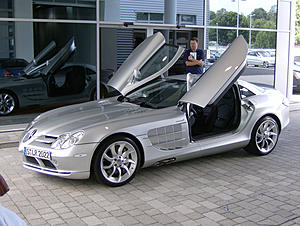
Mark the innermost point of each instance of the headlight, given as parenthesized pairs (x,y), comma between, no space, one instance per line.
(67,140)
(29,135)
(30,125)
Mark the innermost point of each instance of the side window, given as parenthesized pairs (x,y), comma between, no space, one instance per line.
(158,61)
(245,92)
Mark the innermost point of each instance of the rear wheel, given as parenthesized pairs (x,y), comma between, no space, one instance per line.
(264,136)
(265,64)
(8,103)
(117,161)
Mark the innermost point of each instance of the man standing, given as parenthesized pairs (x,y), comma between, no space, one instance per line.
(194,58)
(194,61)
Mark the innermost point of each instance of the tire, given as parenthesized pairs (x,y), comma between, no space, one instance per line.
(117,161)
(265,64)
(264,136)
(8,103)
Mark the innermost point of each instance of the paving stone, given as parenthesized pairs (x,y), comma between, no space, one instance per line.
(232,188)
(163,219)
(208,204)
(92,220)
(214,216)
(38,222)
(145,219)
(207,221)
(112,221)
(183,209)
(55,221)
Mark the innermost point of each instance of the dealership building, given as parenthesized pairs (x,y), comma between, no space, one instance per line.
(105,32)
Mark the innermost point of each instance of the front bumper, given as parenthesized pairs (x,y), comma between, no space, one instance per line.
(73,163)
(58,173)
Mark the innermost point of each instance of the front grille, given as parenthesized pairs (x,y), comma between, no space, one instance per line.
(48,164)
(32,160)
(46,139)
(40,162)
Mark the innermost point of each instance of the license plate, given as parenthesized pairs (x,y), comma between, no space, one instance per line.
(37,153)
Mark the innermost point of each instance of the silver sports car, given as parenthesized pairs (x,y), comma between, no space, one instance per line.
(159,118)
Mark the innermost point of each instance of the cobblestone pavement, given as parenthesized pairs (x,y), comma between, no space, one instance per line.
(233,188)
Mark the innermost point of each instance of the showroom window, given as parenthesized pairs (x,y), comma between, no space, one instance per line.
(156,18)
(186,19)
(103,41)
(240,14)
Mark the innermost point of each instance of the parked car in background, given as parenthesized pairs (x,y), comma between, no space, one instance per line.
(260,58)
(296,74)
(157,119)
(11,67)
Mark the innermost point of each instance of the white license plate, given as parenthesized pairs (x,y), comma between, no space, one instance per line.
(37,153)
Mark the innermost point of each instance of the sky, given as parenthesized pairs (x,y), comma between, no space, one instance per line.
(246,6)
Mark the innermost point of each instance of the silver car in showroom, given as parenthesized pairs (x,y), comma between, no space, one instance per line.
(155,120)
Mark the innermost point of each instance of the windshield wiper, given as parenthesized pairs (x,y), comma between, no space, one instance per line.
(147,105)
(123,99)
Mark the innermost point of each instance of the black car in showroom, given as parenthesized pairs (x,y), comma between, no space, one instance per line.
(51,82)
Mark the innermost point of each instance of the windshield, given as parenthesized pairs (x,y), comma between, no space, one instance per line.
(160,93)
(265,54)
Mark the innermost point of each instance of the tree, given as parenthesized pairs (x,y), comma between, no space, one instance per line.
(212,15)
(226,19)
(260,19)
(259,13)
(297,36)
(261,23)
(265,39)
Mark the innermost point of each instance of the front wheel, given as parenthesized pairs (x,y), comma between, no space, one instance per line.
(264,136)
(8,103)
(117,161)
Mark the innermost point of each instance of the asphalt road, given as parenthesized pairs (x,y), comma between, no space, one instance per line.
(259,71)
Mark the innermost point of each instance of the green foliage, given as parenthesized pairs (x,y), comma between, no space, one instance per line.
(297,37)
(265,39)
(259,13)
(260,19)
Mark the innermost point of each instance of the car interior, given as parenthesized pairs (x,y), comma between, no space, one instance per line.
(70,80)
(220,117)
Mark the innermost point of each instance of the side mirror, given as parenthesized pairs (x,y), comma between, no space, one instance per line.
(3,186)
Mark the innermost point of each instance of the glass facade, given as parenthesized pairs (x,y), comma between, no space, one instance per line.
(120,26)
(49,9)
(243,17)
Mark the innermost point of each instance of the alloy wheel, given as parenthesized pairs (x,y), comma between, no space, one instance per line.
(266,136)
(7,103)
(118,162)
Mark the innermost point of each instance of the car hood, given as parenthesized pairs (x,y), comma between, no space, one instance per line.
(220,76)
(85,115)
(5,82)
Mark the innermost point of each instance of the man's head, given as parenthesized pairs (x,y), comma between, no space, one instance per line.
(194,44)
